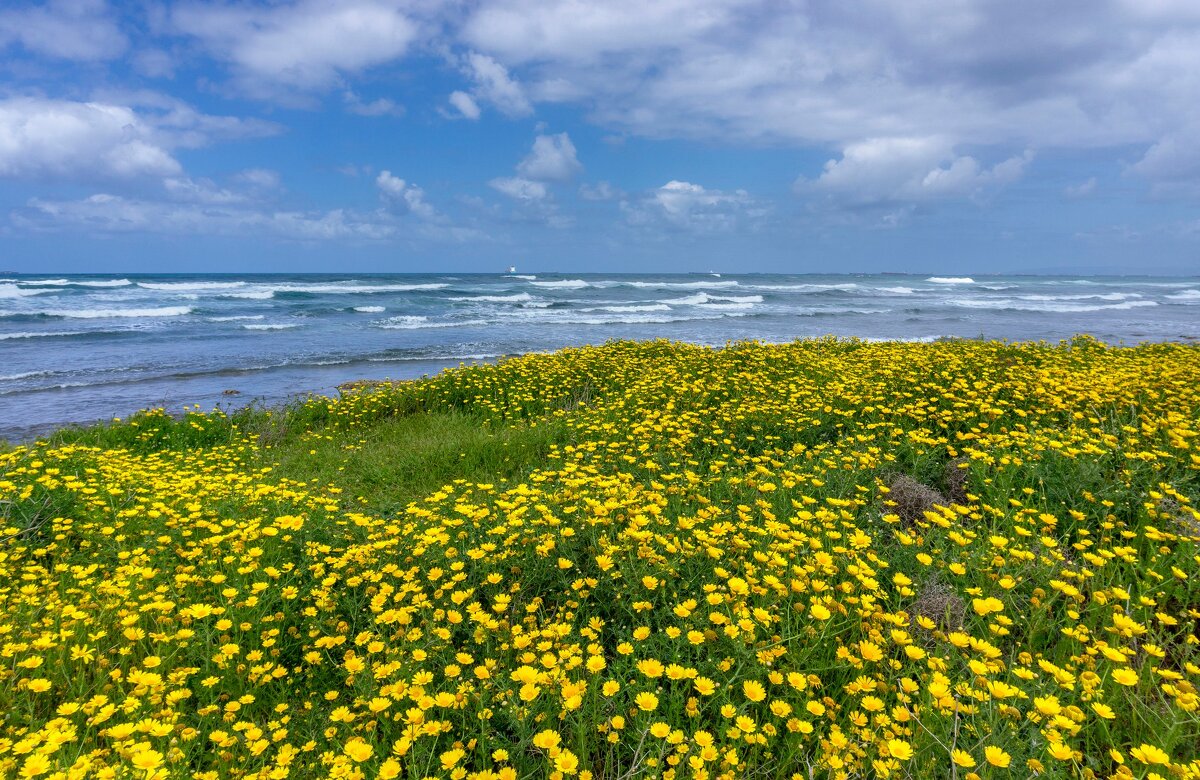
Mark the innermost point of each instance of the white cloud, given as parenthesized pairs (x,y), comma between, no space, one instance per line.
(1081,190)
(305,45)
(494,85)
(552,158)
(201,191)
(599,191)
(465,105)
(1172,165)
(259,178)
(378,107)
(66,29)
(68,139)
(408,197)
(518,188)
(977,73)
(82,140)
(689,206)
(891,171)
(105,213)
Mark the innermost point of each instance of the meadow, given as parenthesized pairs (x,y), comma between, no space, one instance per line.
(822,559)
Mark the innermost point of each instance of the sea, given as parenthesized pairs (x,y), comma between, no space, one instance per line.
(77,349)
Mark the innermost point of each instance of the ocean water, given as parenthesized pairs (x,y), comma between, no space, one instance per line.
(84,348)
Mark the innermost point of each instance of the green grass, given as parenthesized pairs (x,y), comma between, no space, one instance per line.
(400,459)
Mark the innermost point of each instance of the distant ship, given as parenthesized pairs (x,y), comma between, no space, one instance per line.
(512,269)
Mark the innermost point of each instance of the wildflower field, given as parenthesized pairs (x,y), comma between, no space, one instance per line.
(820,559)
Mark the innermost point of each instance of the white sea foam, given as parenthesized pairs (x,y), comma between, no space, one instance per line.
(630,309)
(564,284)
(526,277)
(190,286)
(42,335)
(237,317)
(45,282)
(703,299)
(273,326)
(334,288)
(369,309)
(1185,295)
(102,283)
(1081,297)
(674,285)
(1013,304)
(256,295)
(517,298)
(13,291)
(96,314)
(416,322)
(950,280)
(804,287)
(891,290)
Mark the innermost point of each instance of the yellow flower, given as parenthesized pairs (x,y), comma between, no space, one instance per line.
(963,758)
(389,770)
(451,757)
(1061,751)
(1149,754)
(36,764)
(547,739)
(819,611)
(754,690)
(147,759)
(566,762)
(704,686)
(358,750)
(1125,677)
(996,757)
(899,749)
(646,701)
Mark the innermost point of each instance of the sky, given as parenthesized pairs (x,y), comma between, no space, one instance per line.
(789,136)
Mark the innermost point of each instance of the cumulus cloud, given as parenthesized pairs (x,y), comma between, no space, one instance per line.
(306,45)
(105,213)
(465,105)
(601,190)
(552,158)
(1082,189)
(991,75)
(684,205)
(108,214)
(1172,165)
(519,188)
(494,85)
(407,198)
(82,140)
(890,171)
(378,107)
(64,29)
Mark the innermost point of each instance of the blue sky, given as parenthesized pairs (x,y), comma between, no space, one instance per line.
(678,135)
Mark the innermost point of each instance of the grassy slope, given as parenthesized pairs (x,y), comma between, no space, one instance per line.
(697,473)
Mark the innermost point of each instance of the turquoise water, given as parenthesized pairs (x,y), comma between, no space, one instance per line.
(82,348)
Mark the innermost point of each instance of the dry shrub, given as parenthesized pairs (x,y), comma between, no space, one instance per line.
(940,603)
(1183,518)
(913,499)
(956,480)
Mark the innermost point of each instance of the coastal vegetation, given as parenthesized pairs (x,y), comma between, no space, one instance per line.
(829,558)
